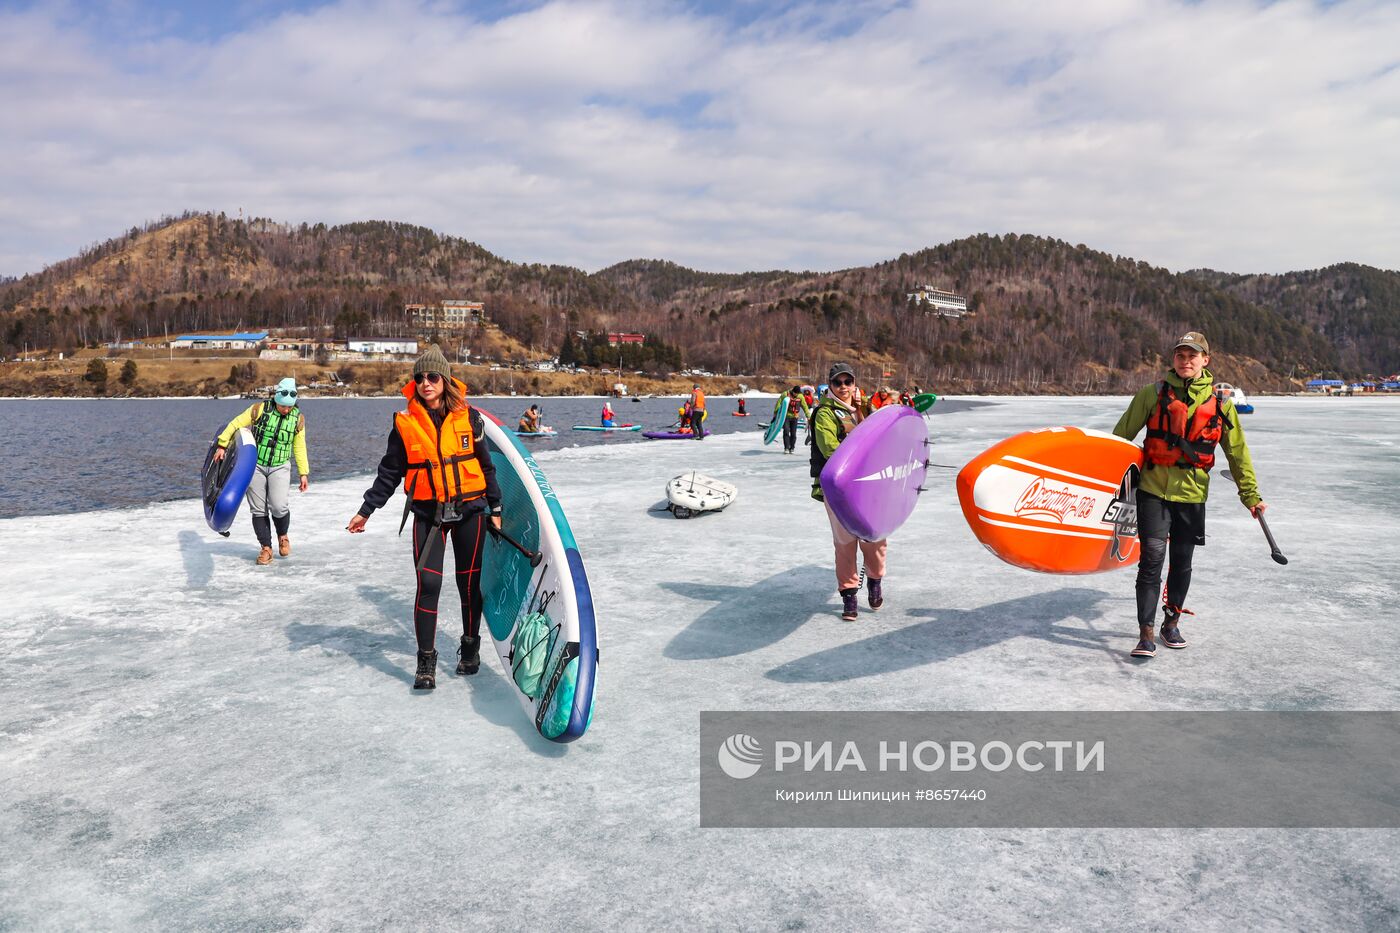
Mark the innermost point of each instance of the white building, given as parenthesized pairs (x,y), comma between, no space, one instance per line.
(218,341)
(938,301)
(399,345)
(448,314)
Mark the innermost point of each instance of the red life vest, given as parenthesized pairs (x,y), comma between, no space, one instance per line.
(1178,437)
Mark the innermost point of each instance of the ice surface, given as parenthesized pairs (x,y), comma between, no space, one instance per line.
(189,740)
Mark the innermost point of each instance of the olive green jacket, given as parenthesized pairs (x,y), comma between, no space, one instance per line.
(1188,484)
(829,422)
(780,407)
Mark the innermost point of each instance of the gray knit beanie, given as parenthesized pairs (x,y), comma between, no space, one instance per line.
(432,361)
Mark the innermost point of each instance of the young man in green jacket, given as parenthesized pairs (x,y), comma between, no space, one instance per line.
(835,416)
(1185,420)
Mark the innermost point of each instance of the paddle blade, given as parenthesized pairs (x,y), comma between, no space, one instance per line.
(924,401)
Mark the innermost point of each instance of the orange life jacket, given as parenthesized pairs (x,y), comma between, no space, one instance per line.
(442,465)
(697,400)
(1178,437)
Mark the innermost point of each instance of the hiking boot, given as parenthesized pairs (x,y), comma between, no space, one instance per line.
(426,678)
(849,609)
(1146,648)
(874,596)
(1171,632)
(265,555)
(284,546)
(470,650)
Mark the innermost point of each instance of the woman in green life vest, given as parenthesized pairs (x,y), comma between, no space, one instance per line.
(280,432)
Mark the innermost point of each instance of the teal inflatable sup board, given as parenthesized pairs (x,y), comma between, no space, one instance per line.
(539,608)
(775,427)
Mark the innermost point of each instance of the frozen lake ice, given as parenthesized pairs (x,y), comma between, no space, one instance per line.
(188,740)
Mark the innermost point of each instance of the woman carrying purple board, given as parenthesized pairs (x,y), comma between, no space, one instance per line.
(834,417)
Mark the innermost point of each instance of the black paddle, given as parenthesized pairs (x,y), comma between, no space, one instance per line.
(534,556)
(1275,553)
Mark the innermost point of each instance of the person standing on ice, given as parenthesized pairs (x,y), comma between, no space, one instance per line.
(697,412)
(835,416)
(1185,419)
(791,408)
(437,449)
(280,432)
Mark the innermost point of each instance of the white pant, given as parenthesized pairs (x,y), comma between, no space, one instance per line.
(271,489)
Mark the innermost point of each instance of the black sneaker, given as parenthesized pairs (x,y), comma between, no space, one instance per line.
(426,678)
(1171,633)
(849,610)
(874,596)
(470,651)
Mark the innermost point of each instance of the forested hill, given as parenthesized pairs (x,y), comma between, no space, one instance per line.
(658,280)
(1357,308)
(1048,316)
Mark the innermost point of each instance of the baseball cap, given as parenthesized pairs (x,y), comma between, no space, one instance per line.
(839,368)
(1196,341)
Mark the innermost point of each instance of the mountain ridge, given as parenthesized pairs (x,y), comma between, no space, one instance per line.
(1047,314)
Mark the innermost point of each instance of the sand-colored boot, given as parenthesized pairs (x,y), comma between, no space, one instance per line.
(265,555)
(284,546)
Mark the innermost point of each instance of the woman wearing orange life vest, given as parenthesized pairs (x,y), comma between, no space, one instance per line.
(1185,419)
(437,449)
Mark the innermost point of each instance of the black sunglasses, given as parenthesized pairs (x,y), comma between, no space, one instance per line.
(431,377)
(285,394)
(843,382)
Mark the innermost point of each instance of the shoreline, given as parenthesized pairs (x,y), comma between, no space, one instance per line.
(751,394)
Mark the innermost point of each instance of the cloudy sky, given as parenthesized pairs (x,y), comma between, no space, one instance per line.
(1237,135)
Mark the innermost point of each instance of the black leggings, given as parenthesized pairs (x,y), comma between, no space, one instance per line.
(468,536)
(1166,529)
(789,433)
(263,529)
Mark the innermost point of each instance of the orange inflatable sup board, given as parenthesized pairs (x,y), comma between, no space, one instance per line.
(1056,500)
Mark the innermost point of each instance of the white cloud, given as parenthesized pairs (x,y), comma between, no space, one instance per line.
(1234,135)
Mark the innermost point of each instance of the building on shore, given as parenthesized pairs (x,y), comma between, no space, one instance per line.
(393,346)
(938,301)
(251,341)
(448,314)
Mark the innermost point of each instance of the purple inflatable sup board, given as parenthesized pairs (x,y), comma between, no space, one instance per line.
(872,481)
